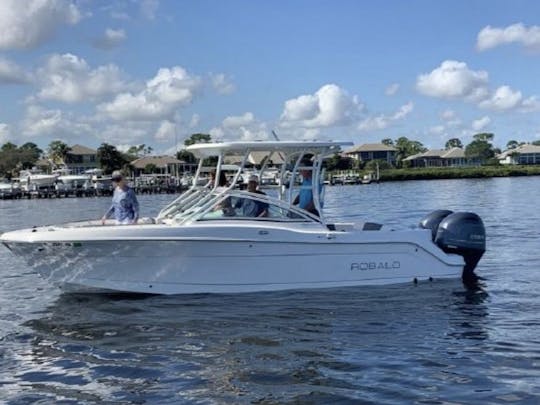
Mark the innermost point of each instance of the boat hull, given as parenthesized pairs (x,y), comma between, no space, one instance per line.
(190,260)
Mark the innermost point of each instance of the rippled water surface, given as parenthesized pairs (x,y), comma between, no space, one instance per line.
(432,343)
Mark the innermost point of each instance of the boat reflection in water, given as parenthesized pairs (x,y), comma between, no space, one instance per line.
(203,243)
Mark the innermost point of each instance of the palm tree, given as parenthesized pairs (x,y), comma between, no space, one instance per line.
(58,152)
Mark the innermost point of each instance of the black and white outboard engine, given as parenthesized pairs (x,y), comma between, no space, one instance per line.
(462,233)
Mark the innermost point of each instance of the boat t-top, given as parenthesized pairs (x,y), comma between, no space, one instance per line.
(205,241)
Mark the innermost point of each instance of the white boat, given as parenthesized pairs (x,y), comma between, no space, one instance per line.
(270,177)
(68,182)
(35,179)
(100,184)
(369,178)
(202,243)
(9,189)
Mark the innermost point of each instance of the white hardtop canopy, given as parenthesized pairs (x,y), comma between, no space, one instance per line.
(202,150)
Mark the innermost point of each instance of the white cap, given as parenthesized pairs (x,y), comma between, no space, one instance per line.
(117,174)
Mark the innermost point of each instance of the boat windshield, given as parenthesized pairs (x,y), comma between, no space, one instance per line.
(241,205)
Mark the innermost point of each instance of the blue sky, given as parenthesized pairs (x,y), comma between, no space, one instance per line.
(155,71)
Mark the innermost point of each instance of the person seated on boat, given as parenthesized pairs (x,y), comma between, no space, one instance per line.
(304,199)
(250,207)
(222,182)
(225,205)
(125,206)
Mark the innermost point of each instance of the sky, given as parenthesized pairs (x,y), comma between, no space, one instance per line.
(153,72)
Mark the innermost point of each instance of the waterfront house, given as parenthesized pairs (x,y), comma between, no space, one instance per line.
(81,158)
(372,151)
(526,154)
(161,165)
(453,157)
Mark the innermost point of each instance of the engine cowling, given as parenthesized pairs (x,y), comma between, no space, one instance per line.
(432,221)
(462,233)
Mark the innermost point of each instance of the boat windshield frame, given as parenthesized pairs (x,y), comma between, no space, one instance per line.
(198,200)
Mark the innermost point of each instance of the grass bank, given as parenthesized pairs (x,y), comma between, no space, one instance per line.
(458,172)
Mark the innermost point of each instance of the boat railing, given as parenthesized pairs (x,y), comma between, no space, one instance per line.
(184,202)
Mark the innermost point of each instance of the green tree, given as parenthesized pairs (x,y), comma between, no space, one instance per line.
(453,143)
(481,147)
(338,162)
(406,147)
(133,150)
(13,158)
(484,136)
(58,151)
(8,146)
(110,158)
(512,144)
(372,165)
(29,154)
(388,142)
(140,150)
(537,143)
(198,138)
(150,168)
(185,156)
(188,157)
(8,160)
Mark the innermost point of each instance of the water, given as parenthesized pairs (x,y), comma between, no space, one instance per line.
(433,343)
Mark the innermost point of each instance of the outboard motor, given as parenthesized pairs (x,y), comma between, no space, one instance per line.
(433,220)
(463,233)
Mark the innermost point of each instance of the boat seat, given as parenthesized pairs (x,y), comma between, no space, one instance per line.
(146,221)
(371,226)
(340,227)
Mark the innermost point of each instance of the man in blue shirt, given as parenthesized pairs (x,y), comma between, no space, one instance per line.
(125,206)
(304,199)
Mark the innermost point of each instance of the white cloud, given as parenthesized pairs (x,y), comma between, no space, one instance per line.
(481,123)
(126,133)
(403,111)
(27,24)
(39,121)
(217,133)
(448,115)
(110,39)
(165,132)
(531,104)
(392,89)
(329,106)
(195,120)
(490,37)
(453,79)
(383,121)
(11,73)
(4,133)
(504,98)
(243,127)
(69,79)
(149,8)
(254,133)
(169,90)
(239,120)
(222,84)
(437,129)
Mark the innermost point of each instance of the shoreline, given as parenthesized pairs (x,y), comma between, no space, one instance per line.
(445,173)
